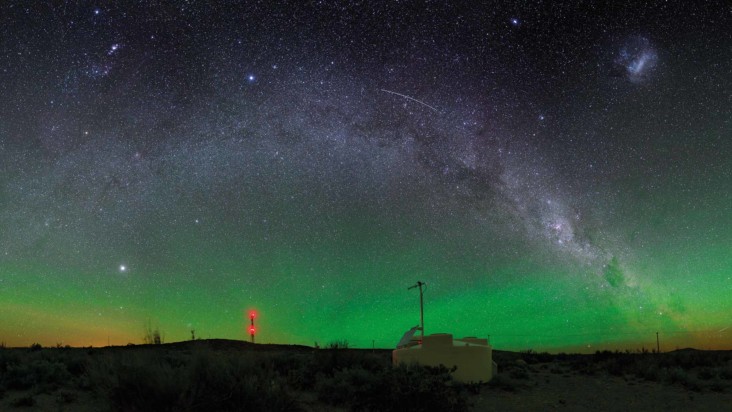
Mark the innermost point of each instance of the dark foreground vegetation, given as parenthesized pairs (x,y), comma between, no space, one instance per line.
(238,376)
(690,369)
(226,376)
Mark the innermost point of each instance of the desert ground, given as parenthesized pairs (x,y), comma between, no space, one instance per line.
(645,382)
(226,375)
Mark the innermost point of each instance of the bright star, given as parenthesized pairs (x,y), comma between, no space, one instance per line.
(515,22)
(122,268)
(251,78)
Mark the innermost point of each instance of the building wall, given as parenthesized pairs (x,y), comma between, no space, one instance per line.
(474,361)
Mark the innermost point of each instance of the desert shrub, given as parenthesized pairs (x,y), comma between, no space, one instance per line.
(582,364)
(7,358)
(690,359)
(302,377)
(65,397)
(528,355)
(347,386)
(153,336)
(205,381)
(175,359)
(586,368)
(335,357)
(544,357)
(677,375)
(519,374)
(338,344)
(600,356)
(424,388)
(26,401)
(18,377)
(726,373)
(651,373)
(295,369)
(77,366)
(621,364)
(305,370)
(614,367)
(35,372)
(373,362)
(51,372)
(227,384)
(717,385)
(145,387)
(327,362)
(532,357)
(401,388)
(36,347)
(285,362)
(503,382)
(706,374)
(419,388)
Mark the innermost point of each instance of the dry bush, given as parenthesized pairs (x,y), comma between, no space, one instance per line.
(401,388)
(38,372)
(726,372)
(694,370)
(203,381)
(504,382)
(25,401)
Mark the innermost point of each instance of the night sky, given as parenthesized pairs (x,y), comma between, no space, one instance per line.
(560,175)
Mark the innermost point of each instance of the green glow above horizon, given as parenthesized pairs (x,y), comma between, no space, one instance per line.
(307,293)
(551,196)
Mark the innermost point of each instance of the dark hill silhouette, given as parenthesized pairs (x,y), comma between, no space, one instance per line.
(223,344)
(238,345)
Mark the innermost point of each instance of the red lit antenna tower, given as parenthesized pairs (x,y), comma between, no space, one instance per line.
(252,315)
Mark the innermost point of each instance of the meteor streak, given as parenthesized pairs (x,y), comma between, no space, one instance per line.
(411,98)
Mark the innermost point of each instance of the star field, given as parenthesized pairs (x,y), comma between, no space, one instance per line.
(558,175)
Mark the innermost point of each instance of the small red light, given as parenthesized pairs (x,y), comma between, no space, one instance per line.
(252,315)
(251,331)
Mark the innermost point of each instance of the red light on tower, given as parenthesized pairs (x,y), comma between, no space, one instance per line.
(252,315)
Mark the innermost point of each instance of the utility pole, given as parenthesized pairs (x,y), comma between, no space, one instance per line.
(421,306)
(658,344)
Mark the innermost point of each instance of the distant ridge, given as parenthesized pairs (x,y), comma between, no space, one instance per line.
(688,350)
(223,344)
(240,345)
